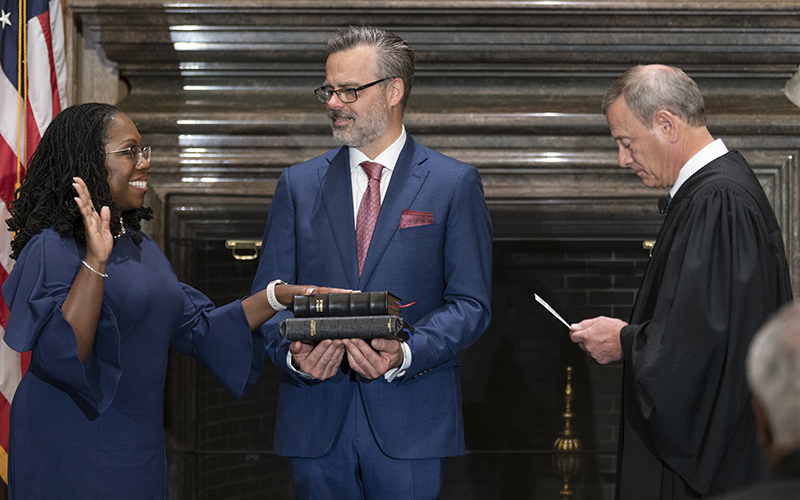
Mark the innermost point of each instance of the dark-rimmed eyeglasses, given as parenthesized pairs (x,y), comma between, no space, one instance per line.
(136,152)
(345,95)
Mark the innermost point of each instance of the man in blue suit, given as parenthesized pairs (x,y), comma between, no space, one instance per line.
(377,419)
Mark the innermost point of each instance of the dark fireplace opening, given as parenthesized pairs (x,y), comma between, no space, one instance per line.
(514,377)
(513,382)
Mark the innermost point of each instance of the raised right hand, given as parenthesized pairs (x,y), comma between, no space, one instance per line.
(99,240)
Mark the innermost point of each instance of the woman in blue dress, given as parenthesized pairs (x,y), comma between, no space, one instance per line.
(98,305)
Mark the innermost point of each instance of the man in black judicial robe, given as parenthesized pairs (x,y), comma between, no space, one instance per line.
(717,271)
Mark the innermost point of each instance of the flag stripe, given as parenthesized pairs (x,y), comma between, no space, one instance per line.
(25,360)
(40,89)
(9,378)
(5,407)
(8,118)
(5,241)
(32,137)
(58,51)
(8,175)
(4,312)
(44,84)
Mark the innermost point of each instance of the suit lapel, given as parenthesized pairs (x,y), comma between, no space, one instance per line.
(336,193)
(407,178)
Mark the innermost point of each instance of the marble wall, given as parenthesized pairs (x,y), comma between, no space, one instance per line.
(223,92)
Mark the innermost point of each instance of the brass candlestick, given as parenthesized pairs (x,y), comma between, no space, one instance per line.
(567,457)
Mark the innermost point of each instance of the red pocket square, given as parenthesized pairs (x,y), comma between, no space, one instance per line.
(413,218)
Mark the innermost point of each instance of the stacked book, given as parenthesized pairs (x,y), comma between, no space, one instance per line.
(363,315)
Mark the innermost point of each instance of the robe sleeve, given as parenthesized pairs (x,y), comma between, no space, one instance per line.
(220,338)
(684,368)
(34,291)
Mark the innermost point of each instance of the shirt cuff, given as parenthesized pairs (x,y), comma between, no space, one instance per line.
(297,372)
(399,372)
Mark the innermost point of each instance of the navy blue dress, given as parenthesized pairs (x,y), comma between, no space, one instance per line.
(94,430)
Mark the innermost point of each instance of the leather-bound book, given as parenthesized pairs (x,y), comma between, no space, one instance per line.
(345,327)
(346,304)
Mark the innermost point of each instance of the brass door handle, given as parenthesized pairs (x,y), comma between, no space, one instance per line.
(649,245)
(238,247)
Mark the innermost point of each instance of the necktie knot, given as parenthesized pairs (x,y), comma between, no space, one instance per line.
(372,169)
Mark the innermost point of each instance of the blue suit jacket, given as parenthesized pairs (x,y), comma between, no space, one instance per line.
(444,268)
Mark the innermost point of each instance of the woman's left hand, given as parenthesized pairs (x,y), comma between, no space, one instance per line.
(257,307)
(285,293)
(99,240)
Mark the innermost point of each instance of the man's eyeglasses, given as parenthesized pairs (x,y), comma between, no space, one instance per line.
(136,152)
(344,95)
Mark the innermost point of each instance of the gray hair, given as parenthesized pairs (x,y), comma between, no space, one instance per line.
(650,89)
(393,57)
(773,372)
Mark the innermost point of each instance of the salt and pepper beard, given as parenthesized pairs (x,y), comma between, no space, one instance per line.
(365,128)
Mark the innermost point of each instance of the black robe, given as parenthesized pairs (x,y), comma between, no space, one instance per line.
(783,485)
(717,272)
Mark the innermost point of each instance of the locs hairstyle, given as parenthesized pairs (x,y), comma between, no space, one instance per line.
(72,146)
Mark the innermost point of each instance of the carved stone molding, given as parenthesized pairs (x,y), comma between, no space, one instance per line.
(222,90)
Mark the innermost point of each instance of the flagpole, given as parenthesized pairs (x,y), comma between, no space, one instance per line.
(22,86)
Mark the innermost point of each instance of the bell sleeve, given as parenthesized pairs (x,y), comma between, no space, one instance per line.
(34,292)
(221,339)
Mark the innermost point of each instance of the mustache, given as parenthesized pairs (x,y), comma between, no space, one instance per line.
(341,113)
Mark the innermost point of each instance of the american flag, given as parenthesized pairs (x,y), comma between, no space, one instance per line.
(32,92)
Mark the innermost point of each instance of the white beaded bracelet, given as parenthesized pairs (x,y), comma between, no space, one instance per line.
(271,298)
(102,275)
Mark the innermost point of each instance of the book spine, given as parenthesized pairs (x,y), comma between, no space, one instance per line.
(343,327)
(341,304)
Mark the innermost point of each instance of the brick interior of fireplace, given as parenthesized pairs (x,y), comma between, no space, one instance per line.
(513,381)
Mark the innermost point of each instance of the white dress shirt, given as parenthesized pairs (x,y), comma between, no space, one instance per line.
(696,162)
(358,178)
(358,181)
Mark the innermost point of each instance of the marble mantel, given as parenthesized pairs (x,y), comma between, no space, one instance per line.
(222,90)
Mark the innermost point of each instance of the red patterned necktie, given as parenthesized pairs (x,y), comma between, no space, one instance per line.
(368,211)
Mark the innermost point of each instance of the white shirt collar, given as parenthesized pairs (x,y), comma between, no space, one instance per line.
(698,161)
(387,158)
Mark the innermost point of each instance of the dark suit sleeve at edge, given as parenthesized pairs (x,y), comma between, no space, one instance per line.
(277,261)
